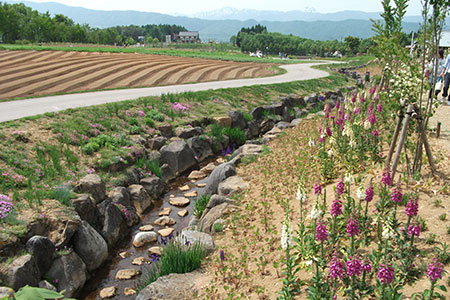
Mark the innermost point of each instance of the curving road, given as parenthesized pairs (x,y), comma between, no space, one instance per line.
(13,110)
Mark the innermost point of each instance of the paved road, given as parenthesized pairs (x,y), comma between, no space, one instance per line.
(13,110)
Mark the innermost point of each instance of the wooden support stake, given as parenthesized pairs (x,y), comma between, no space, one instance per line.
(402,139)
(438,130)
(394,139)
(429,154)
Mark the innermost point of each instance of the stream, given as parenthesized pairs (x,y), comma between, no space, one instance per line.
(104,276)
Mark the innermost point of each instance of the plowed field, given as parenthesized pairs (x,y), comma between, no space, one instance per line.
(32,73)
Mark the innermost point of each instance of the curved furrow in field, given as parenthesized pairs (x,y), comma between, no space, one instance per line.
(18,59)
(249,72)
(237,73)
(7,56)
(226,73)
(258,73)
(190,77)
(174,77)
(47,56)
(68,78)
(206,76)
(160,78)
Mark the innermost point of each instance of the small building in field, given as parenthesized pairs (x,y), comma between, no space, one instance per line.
(188,37)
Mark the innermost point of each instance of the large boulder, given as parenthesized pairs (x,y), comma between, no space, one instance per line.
(266,125)
(153,186)
(173,287)
(219,174)
(139,197)
(166,130)
(90,246)
(178,156)
(86,208)
(193,237)
(257,113)
(94,185)
(215,213)
(23,271)
(232,185)
(157,142)
(188,132)
(68,273)
(223,121)
(120,195)
(201,147)
(252,130)
(114,224)
(42,250)
(275,108)
(237,119)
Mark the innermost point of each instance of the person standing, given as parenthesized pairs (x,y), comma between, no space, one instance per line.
(439,80)
(446,75)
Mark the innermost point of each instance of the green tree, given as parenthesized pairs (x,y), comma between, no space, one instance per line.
(352,43)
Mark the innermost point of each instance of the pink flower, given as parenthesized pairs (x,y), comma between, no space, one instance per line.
(396,195)
(352,226)
(412,207)
(386,274)
(369,194)
(340,188)
(379,108)
(321,232)
(372,119)
(317,189)
(435,270)
(375,133)
(386,179)
(337,268)
(141,113)
(336,208)
(368,267)
(328,131)
(414,229)
(354,266)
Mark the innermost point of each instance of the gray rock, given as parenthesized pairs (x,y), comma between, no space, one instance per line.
(23,271)
(237,119)
(201,147)
(154,187)
(265,126)
(257,113)
(194,237)
(68,273)
(139,197)
(154,156)
(311,99)
(213,215)
(90,246)
(178,156)
(188,132)
(275,108)
(157,142)
(283,125)
(142,238)
(219,174)
(94,185)
(114,225)
(251,149)
(86,208)
(120,195)
(131,175)
(295,122)
(253,129)
(286,115)
(172,287)
(232,185)
(44,284)
(42,250)
(274,131)
(217,200)
(6,292)
(166,130)
(166,173)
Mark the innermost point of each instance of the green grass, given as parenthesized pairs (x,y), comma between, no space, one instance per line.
(200,205)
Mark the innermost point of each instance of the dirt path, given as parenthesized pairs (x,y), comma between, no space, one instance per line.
(13,110)
(442,115)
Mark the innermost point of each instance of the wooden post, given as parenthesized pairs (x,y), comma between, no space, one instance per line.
(394,139)
(429,154)
(402,140)
(438,130)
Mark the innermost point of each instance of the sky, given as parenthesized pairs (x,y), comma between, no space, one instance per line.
(186,7)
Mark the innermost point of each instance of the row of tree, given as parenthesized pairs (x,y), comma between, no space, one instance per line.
(258,38)
(20,23)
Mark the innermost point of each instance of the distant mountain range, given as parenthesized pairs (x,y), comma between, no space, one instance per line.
(220,25)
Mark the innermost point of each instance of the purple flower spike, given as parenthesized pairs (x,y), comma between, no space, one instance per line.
(369,194)
(337,268)
(414,229)
(386,179)
(321,232)
(354,267)
(336,208)
(317,189)
(435,270)
(396,195)
(222,255)
(386,274)
(352,226)
(412,207)
(340,188)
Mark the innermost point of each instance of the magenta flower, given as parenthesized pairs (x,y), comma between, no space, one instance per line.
(369,194)
(362,98)
(396,195)
(317,189)
(386,179)
(368,267)
(379,108)
(141,113)
(338,104)
(386,274)
(5,206)
(340,188)
(414,229)
(336,208)
(375,133)
(337,268)
(321,232)
(354,267)
(352,226)
(328,131)
(412,207)
(353,98)
(357,110)
(435,270)
(372,90)
(372,119)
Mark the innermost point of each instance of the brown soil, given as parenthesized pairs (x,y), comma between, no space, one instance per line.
(32,73)
(251,239)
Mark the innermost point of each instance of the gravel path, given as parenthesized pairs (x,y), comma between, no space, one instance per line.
(442,115)
(13,110)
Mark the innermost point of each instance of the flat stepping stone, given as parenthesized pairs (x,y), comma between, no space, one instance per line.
(208,168)
(220,160)
(166,232)
(129,291)
(179,201)
(155,251)
(172,196)
(197,175)
(185,188)
(191,194)
(165,221)
(201,185)
(147,227)
(108,292)
(127,274)
(139,261)
(165,211)
(182,213)
(124,254)
(143,238)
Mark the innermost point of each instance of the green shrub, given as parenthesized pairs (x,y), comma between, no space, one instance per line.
(217,227)
(235,134)
(149,165)
(135,129)
(200,205)
(175,258)
(149,122)
(133,122)
(62,194)
(155,115)
(248,117)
